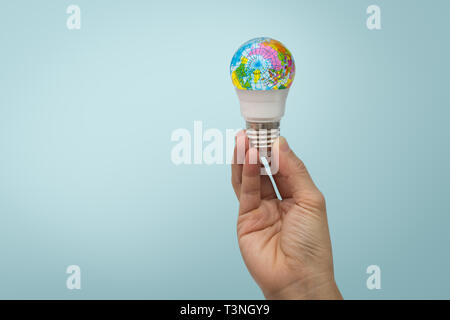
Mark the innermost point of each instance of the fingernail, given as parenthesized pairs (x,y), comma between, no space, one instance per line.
(284,146)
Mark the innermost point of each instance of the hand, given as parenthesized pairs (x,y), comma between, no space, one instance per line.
(285,243)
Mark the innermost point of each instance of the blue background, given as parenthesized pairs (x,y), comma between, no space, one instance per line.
(86,118)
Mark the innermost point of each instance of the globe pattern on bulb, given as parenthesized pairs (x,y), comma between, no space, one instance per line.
(262,64)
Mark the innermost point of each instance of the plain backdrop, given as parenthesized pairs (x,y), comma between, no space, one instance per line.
(86,118)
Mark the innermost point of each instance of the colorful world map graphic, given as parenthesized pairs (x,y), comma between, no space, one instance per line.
(262,64)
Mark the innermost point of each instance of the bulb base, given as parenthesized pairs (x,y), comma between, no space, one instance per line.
(261,135)
(262,105)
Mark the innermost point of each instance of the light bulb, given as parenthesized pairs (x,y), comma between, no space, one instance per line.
(262,70)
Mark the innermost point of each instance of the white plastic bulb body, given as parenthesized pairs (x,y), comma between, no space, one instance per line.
(262,111)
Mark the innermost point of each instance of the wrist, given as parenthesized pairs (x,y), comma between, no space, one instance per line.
(309,289)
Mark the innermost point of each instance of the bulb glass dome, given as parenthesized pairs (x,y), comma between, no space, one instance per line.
(262,64)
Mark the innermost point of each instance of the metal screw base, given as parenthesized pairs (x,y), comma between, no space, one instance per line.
(261,136)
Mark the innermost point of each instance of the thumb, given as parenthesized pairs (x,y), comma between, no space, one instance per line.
(292,175)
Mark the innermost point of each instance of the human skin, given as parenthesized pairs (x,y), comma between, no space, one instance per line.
(285,243)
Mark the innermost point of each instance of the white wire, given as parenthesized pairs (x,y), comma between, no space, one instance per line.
(269,173)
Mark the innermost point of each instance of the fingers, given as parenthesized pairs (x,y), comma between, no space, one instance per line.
(240,149)
(293,179)
(250,195)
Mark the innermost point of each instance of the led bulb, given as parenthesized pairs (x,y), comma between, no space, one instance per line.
(262,70)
